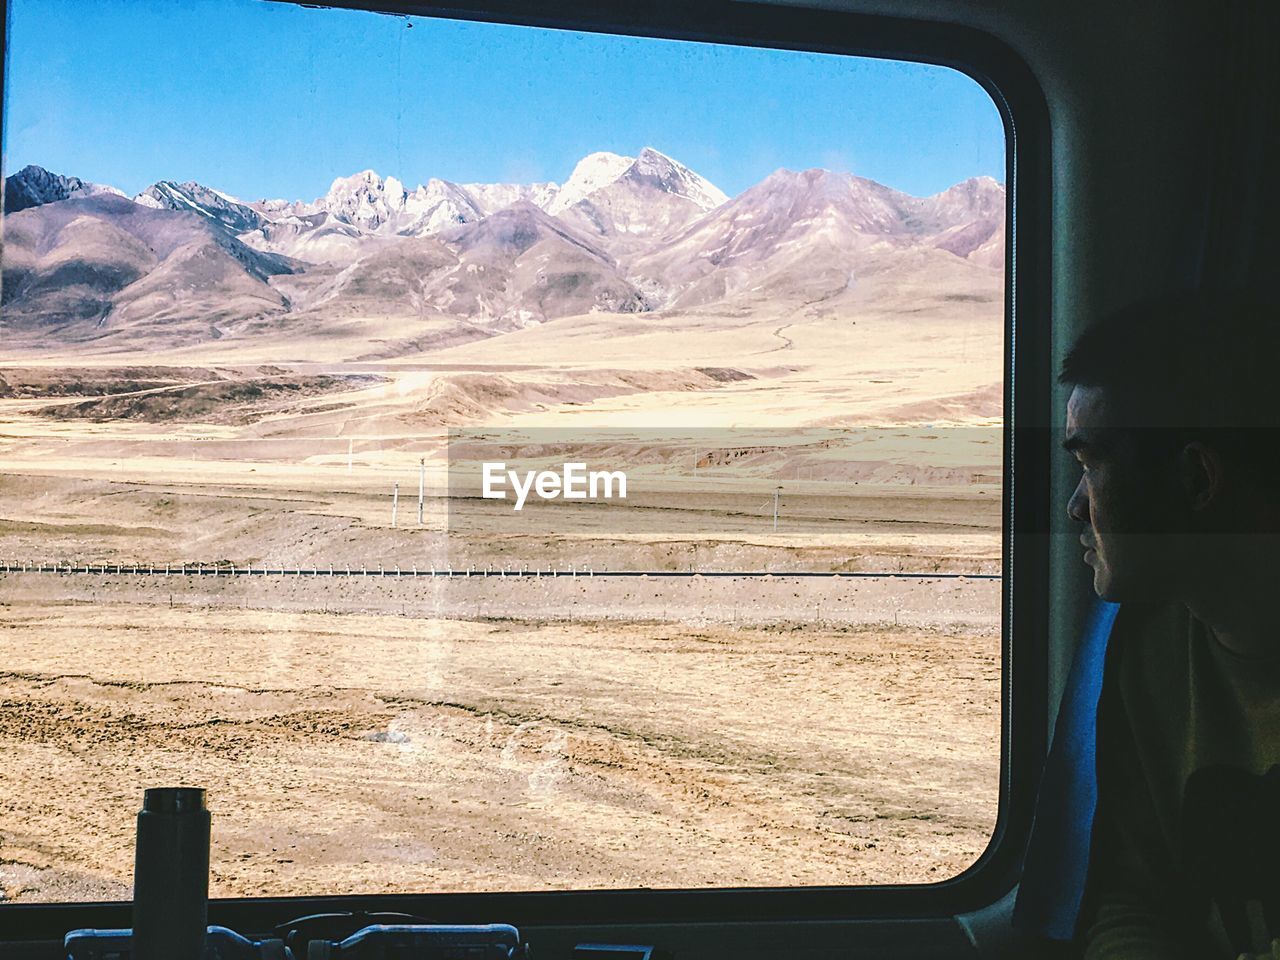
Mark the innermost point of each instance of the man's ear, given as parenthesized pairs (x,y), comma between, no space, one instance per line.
(1202,474)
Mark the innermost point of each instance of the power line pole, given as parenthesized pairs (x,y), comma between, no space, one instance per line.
(395,502)
(776,494)
(422,486)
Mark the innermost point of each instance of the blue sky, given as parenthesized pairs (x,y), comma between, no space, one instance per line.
(266,99)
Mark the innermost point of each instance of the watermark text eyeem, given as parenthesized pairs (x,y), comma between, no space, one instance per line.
(573,482)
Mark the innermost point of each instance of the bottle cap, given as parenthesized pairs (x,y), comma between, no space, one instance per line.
(173,800)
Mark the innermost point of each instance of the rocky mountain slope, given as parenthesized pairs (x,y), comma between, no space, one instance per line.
(811,234)
(86,267)
(194,198)
(34,186)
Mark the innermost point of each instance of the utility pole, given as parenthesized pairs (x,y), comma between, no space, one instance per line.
(777,492)
(350,446)
(395,503)
(422,486)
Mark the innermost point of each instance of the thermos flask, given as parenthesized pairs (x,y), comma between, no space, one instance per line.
(171,876)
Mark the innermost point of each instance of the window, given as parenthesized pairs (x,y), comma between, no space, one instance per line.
(301,304)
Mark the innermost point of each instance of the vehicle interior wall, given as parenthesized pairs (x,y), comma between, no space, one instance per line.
(1135,94)
(1160,131)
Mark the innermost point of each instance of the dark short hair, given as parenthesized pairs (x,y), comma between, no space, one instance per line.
(1190,367)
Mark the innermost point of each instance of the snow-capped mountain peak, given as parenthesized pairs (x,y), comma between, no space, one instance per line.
(433,206)
(675,178)
(362,180)
(626,202)
(192,197)
(592,172)
(491,197)
(364,199)
(283,209)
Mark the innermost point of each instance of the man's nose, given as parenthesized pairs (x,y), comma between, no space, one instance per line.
(1078,505)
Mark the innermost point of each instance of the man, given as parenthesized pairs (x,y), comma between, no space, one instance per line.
(1173,417)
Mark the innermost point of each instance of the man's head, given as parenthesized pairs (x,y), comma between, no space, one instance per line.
(1172,417)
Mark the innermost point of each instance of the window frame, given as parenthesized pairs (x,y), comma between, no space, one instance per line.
(1018,97)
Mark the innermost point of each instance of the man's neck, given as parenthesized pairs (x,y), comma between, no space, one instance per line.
(1244,619)
(1229,583)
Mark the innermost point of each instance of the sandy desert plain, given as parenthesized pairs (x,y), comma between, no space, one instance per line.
(367,736)
(364,734)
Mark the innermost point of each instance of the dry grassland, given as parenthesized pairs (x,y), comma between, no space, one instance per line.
(362,753)
(359,736)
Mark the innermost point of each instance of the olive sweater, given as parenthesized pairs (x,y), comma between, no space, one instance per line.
(1186,843)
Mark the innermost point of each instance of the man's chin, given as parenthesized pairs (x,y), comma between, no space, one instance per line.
(1106,590)
(1117,590)
(1104,584)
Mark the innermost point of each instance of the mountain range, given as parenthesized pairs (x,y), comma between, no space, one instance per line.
(187,263)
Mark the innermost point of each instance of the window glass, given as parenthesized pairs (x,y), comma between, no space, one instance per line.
(494,458)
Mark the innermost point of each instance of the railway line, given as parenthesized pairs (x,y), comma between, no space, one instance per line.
(224,569)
